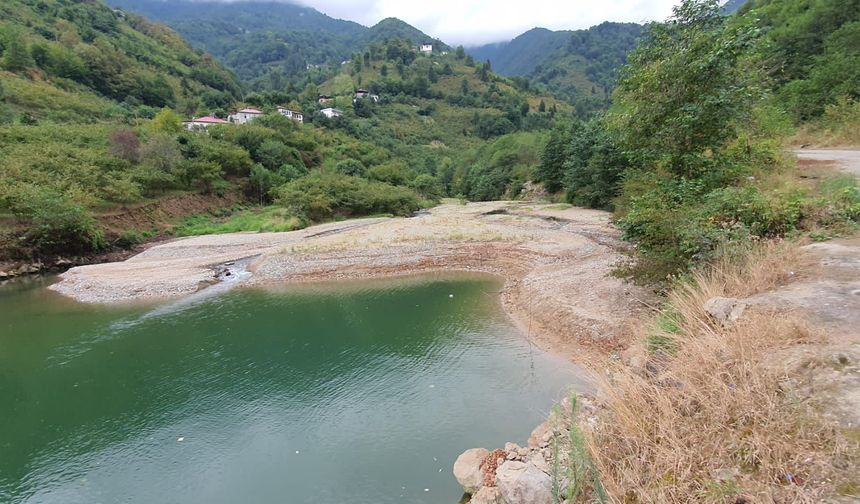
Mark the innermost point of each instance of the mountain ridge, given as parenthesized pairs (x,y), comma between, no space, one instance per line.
(258,38)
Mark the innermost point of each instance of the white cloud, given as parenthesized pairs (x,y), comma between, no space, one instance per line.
(481,21)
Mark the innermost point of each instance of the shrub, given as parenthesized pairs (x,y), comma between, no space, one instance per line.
(321,195)
(120,188)
(427,186)
(394,173)
(57,225)
(199,174)
(125,144)
(351,167)
(273,154)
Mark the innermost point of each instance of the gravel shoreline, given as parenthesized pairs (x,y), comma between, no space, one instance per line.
(555,262)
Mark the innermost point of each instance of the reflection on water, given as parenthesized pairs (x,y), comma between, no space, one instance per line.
(312,394)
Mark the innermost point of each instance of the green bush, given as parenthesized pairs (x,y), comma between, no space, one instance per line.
(56,224)
(322,195)
(351,167)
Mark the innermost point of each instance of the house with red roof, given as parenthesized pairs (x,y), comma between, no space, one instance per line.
(244,116)
(203,122)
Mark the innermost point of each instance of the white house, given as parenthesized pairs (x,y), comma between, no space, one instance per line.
(291,114)
(203,122)
(331,112)
(427,48)
(245,116)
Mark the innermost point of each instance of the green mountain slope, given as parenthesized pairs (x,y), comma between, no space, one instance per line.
(62,54)
(578,66)
(256,39)
(523,54)
(813,50)
(84,143)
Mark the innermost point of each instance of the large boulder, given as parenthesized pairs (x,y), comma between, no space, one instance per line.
(467,469)
(523,483)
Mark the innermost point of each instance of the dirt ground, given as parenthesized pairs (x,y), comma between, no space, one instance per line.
(556,262)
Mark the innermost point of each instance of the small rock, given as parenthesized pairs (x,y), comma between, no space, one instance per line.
(840,359)
(523,483)
(512,455)
(487,495)
(540,462)
(538,434)
(523,452)
(725,473)
(511,447)
(467,469)
(725,311)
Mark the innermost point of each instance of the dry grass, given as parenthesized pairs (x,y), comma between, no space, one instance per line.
(710,418)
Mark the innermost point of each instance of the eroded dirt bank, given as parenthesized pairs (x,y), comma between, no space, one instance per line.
(556,262)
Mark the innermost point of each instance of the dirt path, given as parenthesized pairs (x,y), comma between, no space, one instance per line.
(847,160)
(556,262)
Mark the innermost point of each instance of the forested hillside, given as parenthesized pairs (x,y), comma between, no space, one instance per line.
(271,42)
(64,59)
(813,52)
(91,113)
(579,66)
(690,152)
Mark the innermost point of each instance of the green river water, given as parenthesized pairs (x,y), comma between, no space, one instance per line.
(360,392)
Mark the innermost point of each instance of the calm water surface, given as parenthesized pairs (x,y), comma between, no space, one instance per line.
(365,393)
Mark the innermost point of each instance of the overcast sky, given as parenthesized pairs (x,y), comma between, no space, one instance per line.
(471,22)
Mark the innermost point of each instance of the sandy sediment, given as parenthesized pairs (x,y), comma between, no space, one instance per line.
(555,261)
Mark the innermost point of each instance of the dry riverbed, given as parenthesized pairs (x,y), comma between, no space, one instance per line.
(556,262)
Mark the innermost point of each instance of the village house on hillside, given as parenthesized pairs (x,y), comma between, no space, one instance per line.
(325,99)
(291,114)
(363,93)
(203,122)
(245,116)
(331,112)
(426,48)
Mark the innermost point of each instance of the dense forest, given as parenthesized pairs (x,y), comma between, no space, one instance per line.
(693,168)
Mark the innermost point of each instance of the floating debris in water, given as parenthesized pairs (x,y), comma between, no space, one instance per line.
(450,295)
(180,439)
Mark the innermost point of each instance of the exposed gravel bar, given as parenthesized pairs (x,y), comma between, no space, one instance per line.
(556,262)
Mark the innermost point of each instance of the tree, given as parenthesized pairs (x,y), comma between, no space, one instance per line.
(687,89)
(460,52)
(167,121)
(273,154)
(427,186)
(551,168)
(593,166)
(16,57)
(542,106)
